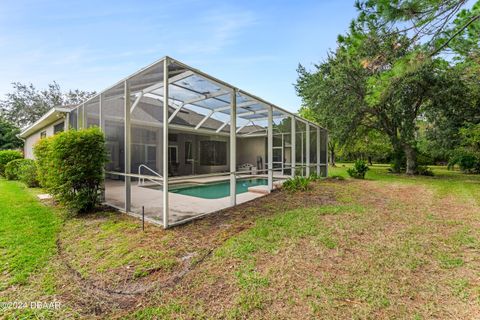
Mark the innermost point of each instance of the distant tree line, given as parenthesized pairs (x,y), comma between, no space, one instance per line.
(26,104)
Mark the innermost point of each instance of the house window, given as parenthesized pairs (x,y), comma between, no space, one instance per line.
(173,154)
(173,137)
(213,153)
(43,134)
(58,127)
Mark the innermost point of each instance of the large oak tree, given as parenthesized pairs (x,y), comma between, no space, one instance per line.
(376,80)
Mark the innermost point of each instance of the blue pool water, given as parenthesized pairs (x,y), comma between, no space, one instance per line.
(218,189)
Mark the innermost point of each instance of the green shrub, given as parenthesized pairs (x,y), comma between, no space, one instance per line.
(11,169)
(298,183)
(469,162)
(24,170)
(314,176)
(399,162)
(6,156)
(44,160)
(359,169)
(27,173)
(425,171)
(299,171)
(70,166)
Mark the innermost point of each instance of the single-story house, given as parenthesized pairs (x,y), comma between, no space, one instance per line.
(214,146)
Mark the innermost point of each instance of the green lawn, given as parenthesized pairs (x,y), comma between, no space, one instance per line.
(387,247)
(28,231)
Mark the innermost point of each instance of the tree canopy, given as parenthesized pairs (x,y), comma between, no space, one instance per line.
(8,135)
(440,24)
(384,80)
(26,104)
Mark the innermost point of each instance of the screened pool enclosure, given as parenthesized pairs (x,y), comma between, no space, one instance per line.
(213,147)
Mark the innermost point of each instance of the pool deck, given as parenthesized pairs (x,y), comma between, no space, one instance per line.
(182,207)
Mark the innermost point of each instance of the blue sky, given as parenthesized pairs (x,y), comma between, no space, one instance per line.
(254,45)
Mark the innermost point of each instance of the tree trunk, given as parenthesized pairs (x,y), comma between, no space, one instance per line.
(332,157)
(397,155)
(411,155)
(370,161)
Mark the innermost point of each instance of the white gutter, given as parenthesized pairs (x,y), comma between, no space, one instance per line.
(25,132)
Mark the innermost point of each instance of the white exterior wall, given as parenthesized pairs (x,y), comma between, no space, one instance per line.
(249,148)
(32,139)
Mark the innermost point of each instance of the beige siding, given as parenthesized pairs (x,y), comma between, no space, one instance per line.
(249,148)
(31,140)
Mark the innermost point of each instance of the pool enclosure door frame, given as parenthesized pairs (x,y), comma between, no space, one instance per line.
(305,166)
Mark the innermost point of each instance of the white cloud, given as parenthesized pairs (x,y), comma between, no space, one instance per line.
(215,30)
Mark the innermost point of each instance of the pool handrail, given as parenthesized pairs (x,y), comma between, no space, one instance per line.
(141,180)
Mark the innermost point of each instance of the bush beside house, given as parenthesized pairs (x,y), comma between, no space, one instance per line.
(70,166)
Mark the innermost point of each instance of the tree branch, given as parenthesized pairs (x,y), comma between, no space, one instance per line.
(472,20)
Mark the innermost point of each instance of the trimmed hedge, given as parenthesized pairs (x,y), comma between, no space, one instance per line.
(6,156)
(41,151)
(27,173)
(70,166)
(24,170)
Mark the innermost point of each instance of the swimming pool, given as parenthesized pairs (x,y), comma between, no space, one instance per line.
(217,190)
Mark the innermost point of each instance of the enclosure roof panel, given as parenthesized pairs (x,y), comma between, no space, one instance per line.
(191,90)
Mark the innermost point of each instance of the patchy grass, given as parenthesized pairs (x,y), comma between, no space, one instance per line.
(268,234)
(391,246)
(109,247)
(165,312)
(267,237)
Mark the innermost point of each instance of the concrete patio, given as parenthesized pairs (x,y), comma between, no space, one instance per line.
(181,206)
